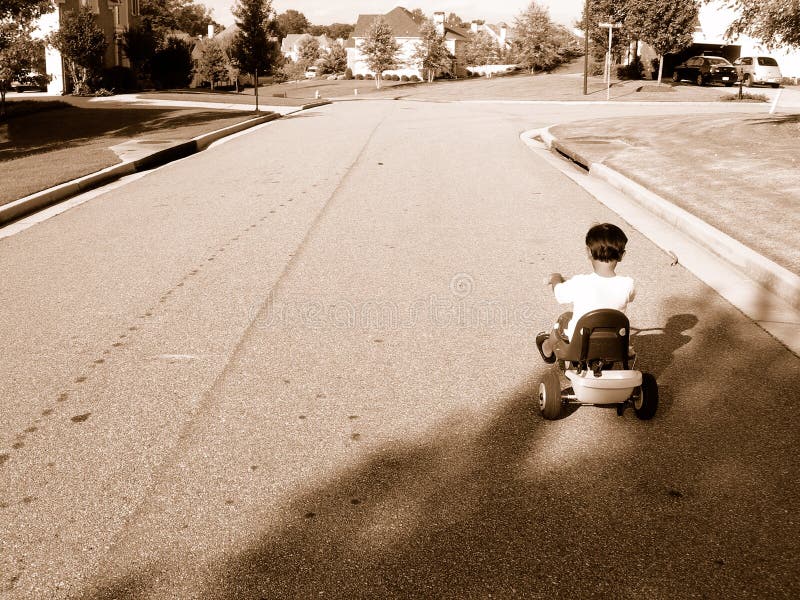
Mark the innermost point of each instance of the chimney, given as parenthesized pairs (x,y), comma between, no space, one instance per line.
(503,33)
(210,31)
(438,21)
(474,27)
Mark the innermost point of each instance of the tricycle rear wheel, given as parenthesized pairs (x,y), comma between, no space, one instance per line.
(645,401)
(550,396)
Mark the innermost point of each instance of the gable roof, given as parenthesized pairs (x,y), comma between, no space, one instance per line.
(401,22)
(403,25)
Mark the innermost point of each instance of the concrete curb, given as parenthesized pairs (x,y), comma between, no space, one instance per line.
(780,281)
(35,202)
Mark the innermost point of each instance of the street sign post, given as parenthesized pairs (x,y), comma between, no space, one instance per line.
(611,27)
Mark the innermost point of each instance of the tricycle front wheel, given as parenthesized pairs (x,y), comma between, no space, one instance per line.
(550,396)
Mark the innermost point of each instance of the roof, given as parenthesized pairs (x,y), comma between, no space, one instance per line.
(293,40)
(402,23)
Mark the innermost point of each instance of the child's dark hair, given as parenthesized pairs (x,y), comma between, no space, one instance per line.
(606,242)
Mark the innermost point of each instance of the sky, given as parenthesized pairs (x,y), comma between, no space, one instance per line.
(325,12)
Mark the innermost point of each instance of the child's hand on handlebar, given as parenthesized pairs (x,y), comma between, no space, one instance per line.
(553,279)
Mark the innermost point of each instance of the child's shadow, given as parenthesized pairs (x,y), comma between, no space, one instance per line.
(655,347)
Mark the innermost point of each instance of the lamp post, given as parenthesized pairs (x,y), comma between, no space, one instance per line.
(611,27)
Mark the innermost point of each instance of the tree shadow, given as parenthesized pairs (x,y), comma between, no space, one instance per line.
(691,503)
(65,128)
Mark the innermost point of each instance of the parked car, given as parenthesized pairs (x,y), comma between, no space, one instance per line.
(33,81)
(706,69)
(758,69)
(311,72)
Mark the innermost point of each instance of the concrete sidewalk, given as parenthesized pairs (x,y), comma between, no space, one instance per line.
(762,289)
(140,154)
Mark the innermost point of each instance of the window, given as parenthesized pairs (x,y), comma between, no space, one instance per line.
(135,7)
(767,61)
(93,5)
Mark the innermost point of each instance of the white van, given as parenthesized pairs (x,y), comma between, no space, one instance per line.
(758,69)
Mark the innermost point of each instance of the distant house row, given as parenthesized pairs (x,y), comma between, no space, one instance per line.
(114,16)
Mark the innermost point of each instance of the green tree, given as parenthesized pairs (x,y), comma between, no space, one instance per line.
(453,20)
(213,64)
(431,52)
(538,41)
(308,50)
(774,22)
(340,31)
(24,11)
(253,49)
(666,26)
(291,21)
(139,45)
(293,71)
(172,64)
(17,56)
(82,44)
(481,49)
(334,61)
(380,49)
(418,15)
(167,17)
(606,11)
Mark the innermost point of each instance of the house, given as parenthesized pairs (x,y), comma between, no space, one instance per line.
(406,31)
(113,17)
(290,46)
(499,33)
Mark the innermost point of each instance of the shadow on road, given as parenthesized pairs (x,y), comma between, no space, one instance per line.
(66,127)
(694,502)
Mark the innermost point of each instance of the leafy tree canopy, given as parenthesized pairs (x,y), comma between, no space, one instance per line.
(380,49)
(24,10)
(666,26)
(253,48)
(163,17)
(82,44)
(773,22)
(291,21)
(431,53)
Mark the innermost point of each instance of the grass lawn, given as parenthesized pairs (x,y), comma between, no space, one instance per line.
(737,172)
(39,149)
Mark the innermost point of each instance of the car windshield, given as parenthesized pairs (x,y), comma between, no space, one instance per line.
(718,61)
(767,61)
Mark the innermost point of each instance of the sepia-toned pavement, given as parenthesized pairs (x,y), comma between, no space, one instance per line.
(301,364)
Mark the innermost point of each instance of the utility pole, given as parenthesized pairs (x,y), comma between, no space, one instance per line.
(586,48)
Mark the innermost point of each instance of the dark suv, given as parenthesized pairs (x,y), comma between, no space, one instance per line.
(706,69)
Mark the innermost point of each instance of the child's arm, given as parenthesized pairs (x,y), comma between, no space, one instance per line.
(554,279)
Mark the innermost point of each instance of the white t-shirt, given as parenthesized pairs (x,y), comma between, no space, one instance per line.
(590,292)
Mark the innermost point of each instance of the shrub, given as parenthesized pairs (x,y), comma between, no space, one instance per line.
(369,76)
(119,79)
(348,73)
(746,97)
(596,68)
(404,78)
(633,71)
(395,77)
(360,77)
(415,78)
(172,65)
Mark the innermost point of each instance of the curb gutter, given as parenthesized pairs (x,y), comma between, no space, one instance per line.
(780,281)
(35,202)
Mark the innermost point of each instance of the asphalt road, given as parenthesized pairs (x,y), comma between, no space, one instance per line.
(301,364)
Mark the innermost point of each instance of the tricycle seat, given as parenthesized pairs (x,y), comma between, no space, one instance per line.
(600,339)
